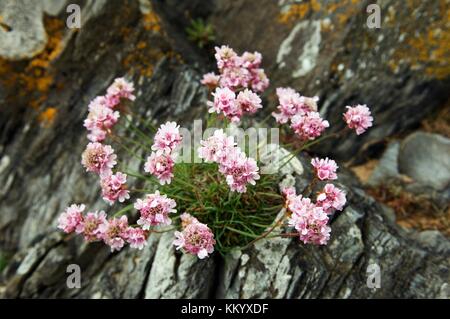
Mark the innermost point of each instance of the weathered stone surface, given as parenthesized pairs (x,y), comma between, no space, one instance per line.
(425,158)
(40,174)
(387,168)
(22,33)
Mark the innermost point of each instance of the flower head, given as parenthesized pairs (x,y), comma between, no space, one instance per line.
(167,138)
(308,126)
(114,187)
(121,88)
(239,171)
(217,147)
(259,80)
(211,80)
(248,101)
(187,219)
(325,168)
(90,225)
(100,119)
(196,238)
(154,209)
(136,237)
(251,60)
(358,118)
(226,57)
(331,199)
(225,102)
(98,158)
(72,216)
(114,232)
(161,166)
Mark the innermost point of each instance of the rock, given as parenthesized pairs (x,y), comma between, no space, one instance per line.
(22,33)
(387,168)
(425,158)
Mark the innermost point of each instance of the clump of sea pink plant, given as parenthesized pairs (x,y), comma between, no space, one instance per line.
(222,203)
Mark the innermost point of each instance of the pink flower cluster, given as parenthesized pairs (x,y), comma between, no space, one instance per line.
(358,118)
(301,111)
(232,106)
(94,226)
(195,238)
(325,168)
(154,210)
(98,158)
(114,187)
(238,169)
(161,161)
(311,220)
(102,117)
(237,72)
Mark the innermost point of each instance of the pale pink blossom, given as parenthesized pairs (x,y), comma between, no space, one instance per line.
(259,80)
(100,120)
(114,187)
(289,194)
(248,101)
(196,239)
(121,88)
(211,80)
(217,147)
(114,232)
(187,219)
(310,221)
(235,77)
(226,57)
(251,60)
(98,158)
(90,224)
(136,237)
(308,126)
(289,102)
(161,166)
(331,199)
(358,118)
(167,138)
(239,171)
(225,102)
(325,168)
(72,216)
(154,210)
(97,135)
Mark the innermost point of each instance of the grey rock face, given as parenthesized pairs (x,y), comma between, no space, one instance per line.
(40,174)
(425,157)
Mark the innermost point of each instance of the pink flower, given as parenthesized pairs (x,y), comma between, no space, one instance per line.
(99,120)
(97,135)
(251,60)
(225,102)
(89,226)
(308,126)
(358,118)
(226,57)
(196,238)
(325,168)
(98,158)
(121,88)
(310,221)
(259,81)
(187,219)
(136,237)
(308,104)
(289,194)
(216,147)
(167,138)
(248,101)
(154,210)
(114,232)
(161,166)
(211,80)
(72,216)
(331,198)
(289,105)
(235,77)
(239,171)
(114,187)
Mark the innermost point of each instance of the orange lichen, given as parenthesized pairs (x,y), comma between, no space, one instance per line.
(151,22)
(47,117)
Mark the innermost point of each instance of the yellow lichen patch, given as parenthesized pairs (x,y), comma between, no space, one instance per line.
(47,117)
(427,50)
(151,22)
